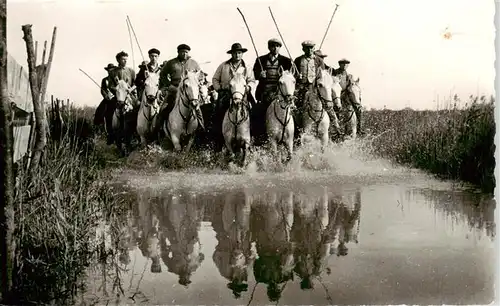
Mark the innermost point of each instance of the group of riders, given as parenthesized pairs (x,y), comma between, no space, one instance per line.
(265,69)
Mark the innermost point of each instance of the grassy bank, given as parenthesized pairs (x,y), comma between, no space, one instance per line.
(57,210)
(452,143)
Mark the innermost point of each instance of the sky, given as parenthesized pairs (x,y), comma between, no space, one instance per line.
(397,48)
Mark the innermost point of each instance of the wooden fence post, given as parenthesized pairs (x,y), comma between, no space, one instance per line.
(7,243)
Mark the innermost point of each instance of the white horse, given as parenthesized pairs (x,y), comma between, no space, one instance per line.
(352,95)
(236,122)
(120,123)
(326,89)
(149,109)
(182,120)
(279,120)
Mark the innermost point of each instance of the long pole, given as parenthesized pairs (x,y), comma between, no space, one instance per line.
(90,78)
(331,19)
(283,40)
(131,43)
(251,38)
(136,40)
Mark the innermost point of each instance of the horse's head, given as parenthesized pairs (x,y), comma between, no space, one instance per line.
(123,91)
(354,91)
(336,92)
(190,87)
(324,84)
(151,85)
(287,84)
(238,87)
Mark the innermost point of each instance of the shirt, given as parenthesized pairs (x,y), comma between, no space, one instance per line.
(225,73)
(123,73)
(175,68)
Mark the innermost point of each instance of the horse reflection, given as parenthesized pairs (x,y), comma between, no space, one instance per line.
(180,222)
(345,227)
(149,233)
(271,223)
(233,254)
(310,233)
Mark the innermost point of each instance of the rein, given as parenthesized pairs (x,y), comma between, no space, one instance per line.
(285,108)
(182,100)
(146,103)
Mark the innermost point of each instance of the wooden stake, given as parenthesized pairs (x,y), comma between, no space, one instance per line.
(7,243)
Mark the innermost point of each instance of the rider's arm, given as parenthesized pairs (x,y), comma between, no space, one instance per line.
(216,79)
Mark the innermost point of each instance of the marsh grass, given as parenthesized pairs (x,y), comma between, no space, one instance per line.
(57,210)
(451,143)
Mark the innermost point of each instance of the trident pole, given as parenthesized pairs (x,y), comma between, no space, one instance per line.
(331,19)
(251,38)
(90,77)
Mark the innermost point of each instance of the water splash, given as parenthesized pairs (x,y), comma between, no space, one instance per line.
(345,163)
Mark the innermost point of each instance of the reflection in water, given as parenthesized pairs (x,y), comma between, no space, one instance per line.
(233,253)
(180,247)
(274,238)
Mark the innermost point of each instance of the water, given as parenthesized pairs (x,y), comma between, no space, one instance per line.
(358,232)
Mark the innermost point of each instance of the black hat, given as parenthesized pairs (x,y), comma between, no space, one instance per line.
(183,47)
(109,67)
(237,47)
(344,61)
(154,51)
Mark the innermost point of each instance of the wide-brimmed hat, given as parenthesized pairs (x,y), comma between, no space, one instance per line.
(237,47)
(274,41)
(320,54)
(109,67)
(344,61)
(154,51)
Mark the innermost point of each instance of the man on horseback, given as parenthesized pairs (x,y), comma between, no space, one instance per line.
(307,65)
(122,72)
(153,67)
(170,77)
(346,80)
(107,97)
(330,108)
(267,88)
(220,81)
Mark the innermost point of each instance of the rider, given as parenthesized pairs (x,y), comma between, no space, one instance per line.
(330,108)
(122,72)
(346,80)
(152,67)
(221,78)
(106,95)
(268,77)
(170,77)
(307,65)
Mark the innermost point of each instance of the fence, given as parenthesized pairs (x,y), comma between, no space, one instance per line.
(19,92)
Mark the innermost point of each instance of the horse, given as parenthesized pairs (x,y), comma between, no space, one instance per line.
(350,96)
(124,106)
(326,89)
(149,109)
(182,121)
(236,122)
(279,121)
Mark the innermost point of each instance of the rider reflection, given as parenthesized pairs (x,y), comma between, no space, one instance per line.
(271,223)
(180,222)
(233,254)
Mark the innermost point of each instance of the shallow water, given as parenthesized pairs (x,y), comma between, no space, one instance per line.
(359,231)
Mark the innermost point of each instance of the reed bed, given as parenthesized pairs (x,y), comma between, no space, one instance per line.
(454,143)
(57,210)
